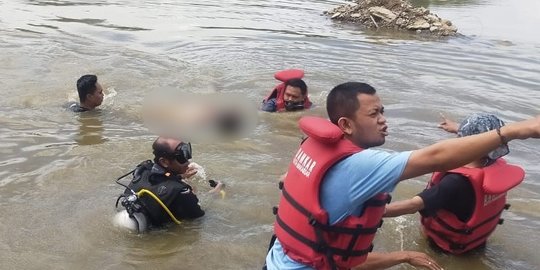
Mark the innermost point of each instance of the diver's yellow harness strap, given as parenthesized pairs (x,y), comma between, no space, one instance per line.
(145,191)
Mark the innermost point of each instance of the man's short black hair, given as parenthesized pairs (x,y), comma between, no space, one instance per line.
(342,100)
(86,85)
(298,83)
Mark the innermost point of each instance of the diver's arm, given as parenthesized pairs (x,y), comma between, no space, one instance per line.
(188,205)
(380,260)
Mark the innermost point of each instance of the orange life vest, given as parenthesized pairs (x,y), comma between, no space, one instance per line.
(302,225)
(490,185)
(279,90)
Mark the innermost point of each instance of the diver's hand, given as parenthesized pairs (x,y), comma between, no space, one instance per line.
(189,173)
(448,125)
(217,186)
(419,259)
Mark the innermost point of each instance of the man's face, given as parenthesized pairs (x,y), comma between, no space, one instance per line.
(173,165)
(293,94)
(176,167)
(96,98)
(368,128)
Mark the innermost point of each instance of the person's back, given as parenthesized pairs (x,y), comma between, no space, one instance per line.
(456,233)
(174,193)
(461,208)
(157,190)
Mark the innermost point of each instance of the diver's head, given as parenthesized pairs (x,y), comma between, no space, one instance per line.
(479,123)
(295,94)
(172,154)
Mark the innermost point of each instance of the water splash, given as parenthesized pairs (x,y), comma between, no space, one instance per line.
(201,173)
(399,228)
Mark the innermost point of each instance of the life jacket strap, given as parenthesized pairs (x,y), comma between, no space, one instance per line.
(320,247)
(460,246)
(467,231)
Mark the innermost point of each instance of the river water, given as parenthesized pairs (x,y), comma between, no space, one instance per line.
(57,169)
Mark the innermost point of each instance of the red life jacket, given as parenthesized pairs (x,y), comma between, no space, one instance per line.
(302,225)
(279,90)
(490,185)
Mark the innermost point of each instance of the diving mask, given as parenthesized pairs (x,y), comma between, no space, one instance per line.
(182,153)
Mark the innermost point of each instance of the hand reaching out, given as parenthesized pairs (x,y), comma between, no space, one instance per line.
(419,259)
(448,125)
(218,187)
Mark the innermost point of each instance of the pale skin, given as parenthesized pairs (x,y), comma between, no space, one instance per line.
(367,128)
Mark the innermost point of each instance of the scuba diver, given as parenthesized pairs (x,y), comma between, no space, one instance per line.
(290,95)
(157,193)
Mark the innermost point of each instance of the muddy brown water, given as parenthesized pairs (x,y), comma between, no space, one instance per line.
(57,169)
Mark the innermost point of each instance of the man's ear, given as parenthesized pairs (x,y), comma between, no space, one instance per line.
(163,162)
(345,124)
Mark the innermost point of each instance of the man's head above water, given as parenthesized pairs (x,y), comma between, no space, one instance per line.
(295,94)
(172,154)
(90,91)
(357,110)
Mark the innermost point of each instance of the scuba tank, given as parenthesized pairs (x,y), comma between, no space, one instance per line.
(132,217)
(136,223)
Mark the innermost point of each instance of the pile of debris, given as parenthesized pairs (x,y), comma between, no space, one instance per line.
(392,14)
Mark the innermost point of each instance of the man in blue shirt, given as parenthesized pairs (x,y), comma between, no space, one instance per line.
(358,111)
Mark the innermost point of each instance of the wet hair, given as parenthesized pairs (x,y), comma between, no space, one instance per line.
(298,83)
(342,100)
(161,149)
(86,85)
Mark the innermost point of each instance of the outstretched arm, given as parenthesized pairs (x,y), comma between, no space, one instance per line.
(404,207)
(379,260)
(453,153)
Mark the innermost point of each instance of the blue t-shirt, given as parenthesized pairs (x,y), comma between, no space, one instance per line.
(345,188)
